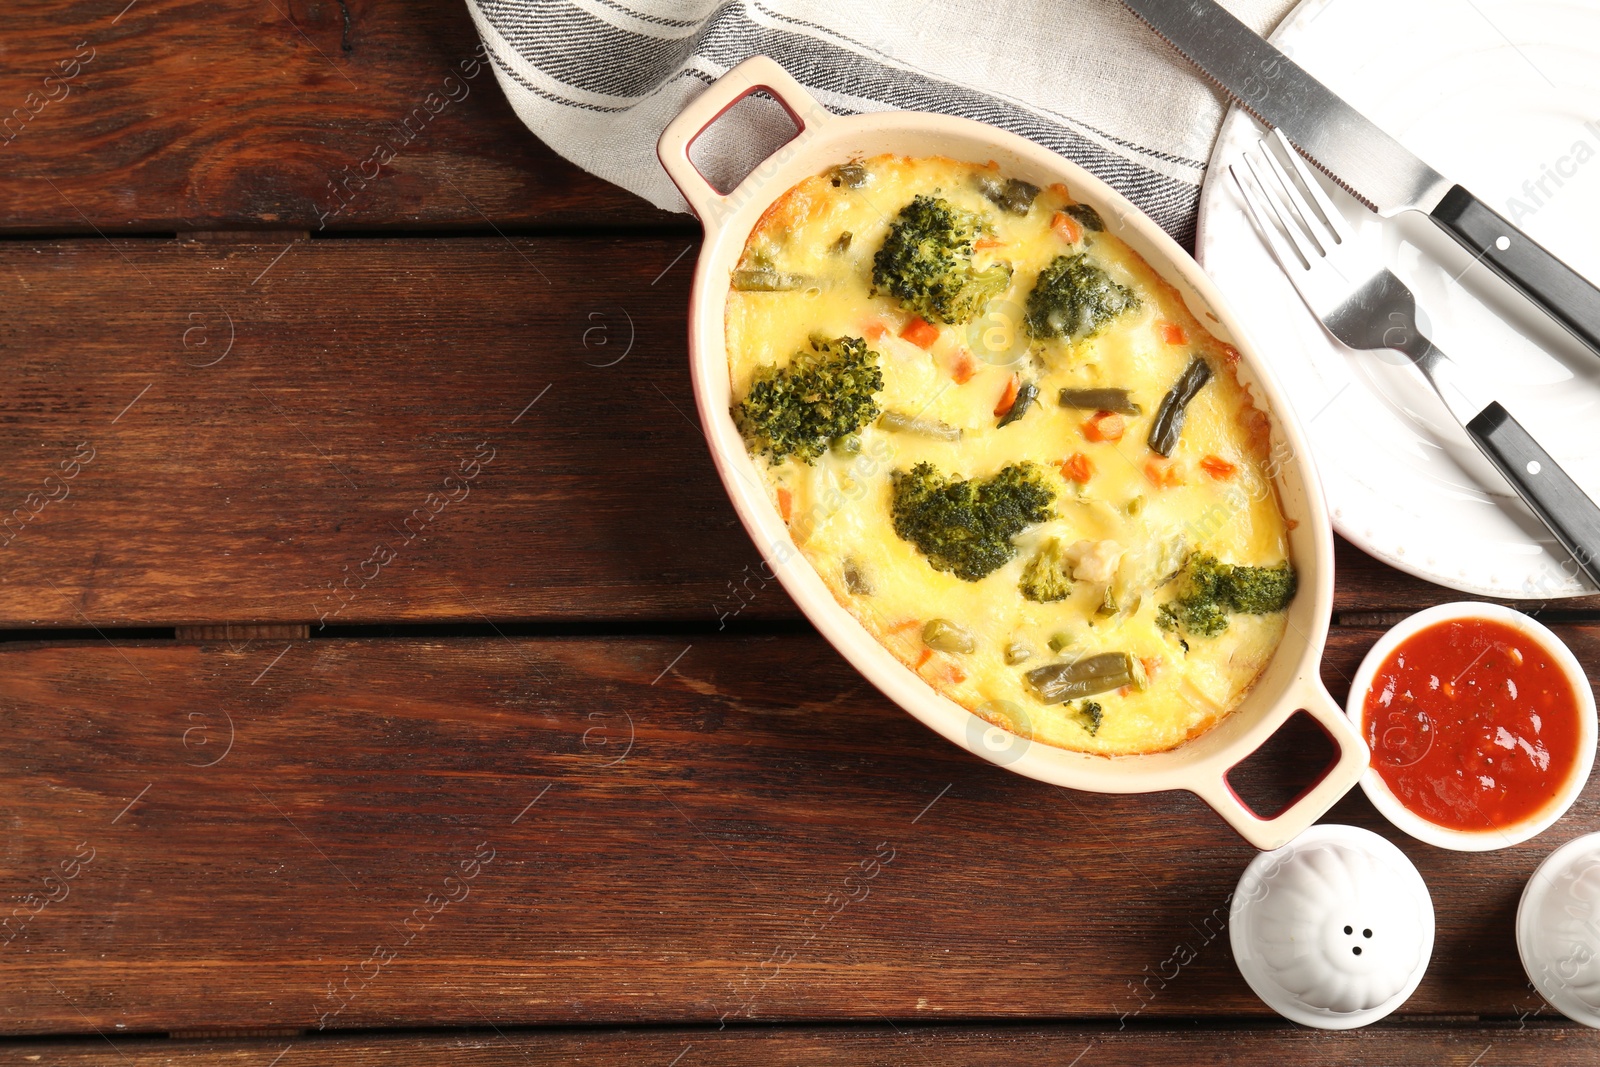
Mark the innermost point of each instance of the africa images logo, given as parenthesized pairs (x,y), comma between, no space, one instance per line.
(1537,192)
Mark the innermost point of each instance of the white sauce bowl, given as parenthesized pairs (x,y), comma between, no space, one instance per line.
(1422,829)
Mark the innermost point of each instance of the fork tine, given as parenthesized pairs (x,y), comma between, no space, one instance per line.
(1309,250)
(1331,215)
(1265,215)
(1294,200)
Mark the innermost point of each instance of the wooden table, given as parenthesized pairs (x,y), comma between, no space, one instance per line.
(386,678)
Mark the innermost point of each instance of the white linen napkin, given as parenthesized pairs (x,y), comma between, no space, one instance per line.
(598,80)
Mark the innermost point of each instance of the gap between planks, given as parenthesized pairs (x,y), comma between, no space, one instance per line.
(207,633)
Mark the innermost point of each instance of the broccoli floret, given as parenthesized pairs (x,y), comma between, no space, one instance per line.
(1093,714)
(822,395)
(1074,297)
(1047,576)
(1201,606)
(966,527)
(1213,589)
(1261,590)
(926,263)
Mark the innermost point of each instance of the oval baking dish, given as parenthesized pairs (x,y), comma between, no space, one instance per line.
(1288,684)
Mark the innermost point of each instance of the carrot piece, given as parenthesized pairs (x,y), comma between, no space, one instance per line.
(875,329)
(1152,666)
(1104,426)
(1218,467)
(1077,468)
(964,367)
(987,242)
(785,503)
(1007,398)
(1163,473)
(920,332)
(1067,228)
(1060,189)
(941,671)
(1173,334)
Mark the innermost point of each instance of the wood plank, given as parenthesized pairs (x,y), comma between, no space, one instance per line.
(261,416)
(158,117)
(723,830)
(255,420)
(1365,586)
(970,1046)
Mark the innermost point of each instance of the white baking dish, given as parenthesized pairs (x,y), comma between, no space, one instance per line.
(1290,682)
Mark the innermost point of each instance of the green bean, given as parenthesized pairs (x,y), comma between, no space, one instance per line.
(1011,195)
(1027,393)
(895,422)
(1100,400)
(852,174)
(1168,424)
(855,581)
(1017,652)
(1108,603)
(1100,673)
(1088,216)
(847,445)
(942,635)
(766,280)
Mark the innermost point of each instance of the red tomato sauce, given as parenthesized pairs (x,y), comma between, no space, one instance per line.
(1472,724)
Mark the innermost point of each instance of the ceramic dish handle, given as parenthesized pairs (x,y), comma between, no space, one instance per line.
(1306,694)
(756,74)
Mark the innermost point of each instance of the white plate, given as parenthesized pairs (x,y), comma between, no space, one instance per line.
(1499,95)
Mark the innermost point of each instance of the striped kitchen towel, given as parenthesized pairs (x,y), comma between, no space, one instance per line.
(598,80)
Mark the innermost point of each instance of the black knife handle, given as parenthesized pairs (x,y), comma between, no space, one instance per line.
(1540,481)
(1561,291)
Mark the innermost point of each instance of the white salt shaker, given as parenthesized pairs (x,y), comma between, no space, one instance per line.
(1334,930)
(1558,929)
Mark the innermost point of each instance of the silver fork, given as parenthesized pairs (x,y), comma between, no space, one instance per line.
(1366,307)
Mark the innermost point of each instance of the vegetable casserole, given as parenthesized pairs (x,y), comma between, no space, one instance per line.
(1010,451)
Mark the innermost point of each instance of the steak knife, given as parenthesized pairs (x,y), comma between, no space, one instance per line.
(1369,164)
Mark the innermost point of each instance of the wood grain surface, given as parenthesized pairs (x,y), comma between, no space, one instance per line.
(356,834)
(1385,1045)
(258,418)
(261,794)
(172,115)
(508,423)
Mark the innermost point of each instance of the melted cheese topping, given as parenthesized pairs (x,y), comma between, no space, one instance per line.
(1147,509)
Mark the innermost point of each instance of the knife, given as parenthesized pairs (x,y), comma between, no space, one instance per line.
(1366,162)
